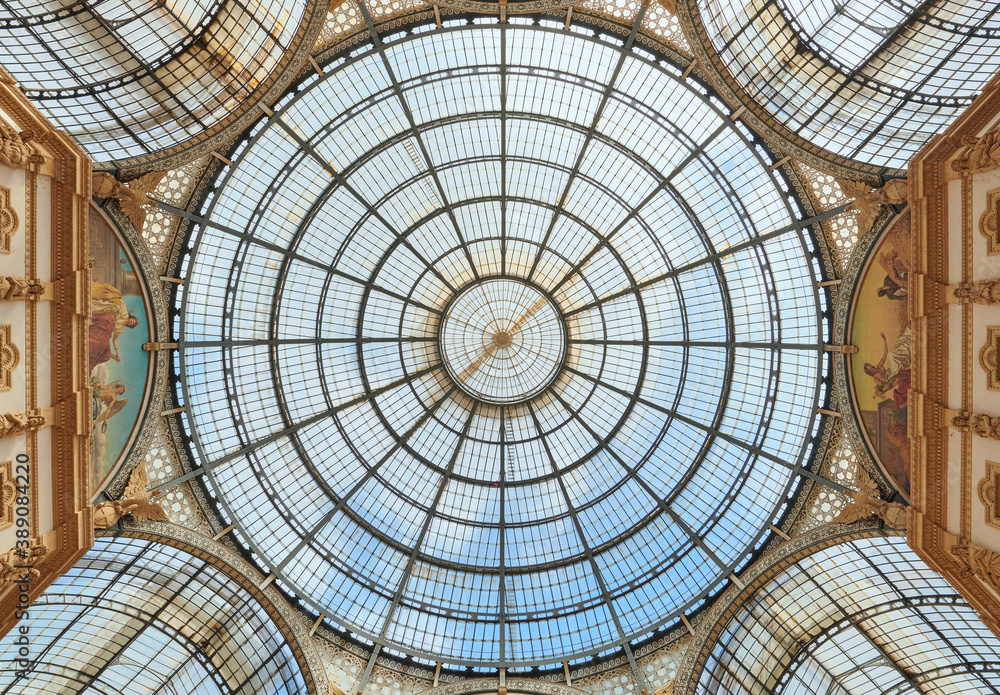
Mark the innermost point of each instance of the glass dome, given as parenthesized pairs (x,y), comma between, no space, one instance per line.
(500,344)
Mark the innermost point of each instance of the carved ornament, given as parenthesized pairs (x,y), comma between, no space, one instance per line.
(989,222)
(8,220)
(13,287)
(980,292)
(10,356)
(980,425)
(137,502)
(979,562)
(14,150)
(132,198)
(867,501)
(989,358)
(8,493)
(20,421)
(989,487)
(978,153)
(17,565)
(868,201)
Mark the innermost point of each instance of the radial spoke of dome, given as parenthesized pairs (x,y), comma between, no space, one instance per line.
(642,203)
(795,468)
(660,502)
(292,429)
(623,55)
(339,179)
(368,475)
(408,570)
(292,255)
(503,538)
(640,679)
(417,137)
(702,343)
(711,258)
(503,155)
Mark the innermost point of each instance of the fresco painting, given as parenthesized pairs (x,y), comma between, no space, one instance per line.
(119,367)
(881,368)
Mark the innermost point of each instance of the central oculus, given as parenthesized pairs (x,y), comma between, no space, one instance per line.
(502,340)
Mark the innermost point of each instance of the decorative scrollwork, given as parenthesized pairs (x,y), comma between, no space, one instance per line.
(989,358)
(989,222)
(8,220)
(989,493)
(10,356)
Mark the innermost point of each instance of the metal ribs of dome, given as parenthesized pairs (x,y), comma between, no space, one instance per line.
(360,474)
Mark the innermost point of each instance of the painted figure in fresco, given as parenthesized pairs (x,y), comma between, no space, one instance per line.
(892,373)
(109,318)
(891,289)
(895,267)
(106,398)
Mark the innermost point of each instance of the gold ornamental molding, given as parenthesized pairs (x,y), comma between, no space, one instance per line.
(8,493)
(946,177)
(989,358)
(988,493)
(10,357)
(989,222)
(8,220)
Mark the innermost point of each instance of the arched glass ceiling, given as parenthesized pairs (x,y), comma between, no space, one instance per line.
(865,617)
(869,80)
(126,79)
(137,616)
(553,176)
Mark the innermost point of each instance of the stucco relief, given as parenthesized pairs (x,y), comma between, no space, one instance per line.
(8,220)
(10,356)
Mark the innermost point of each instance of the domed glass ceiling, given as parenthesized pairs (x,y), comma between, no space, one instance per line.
(500,344)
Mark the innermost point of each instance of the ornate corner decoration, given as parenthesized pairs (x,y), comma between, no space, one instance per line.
(869,201)
(978,152)
(132,198)
(989,357)
(989,493)
(868,500)
(18,565)
(14,150)
(979,424)
(8,220)
(979,562)
(10,357)
(8,493)
(137,503)
(989,222)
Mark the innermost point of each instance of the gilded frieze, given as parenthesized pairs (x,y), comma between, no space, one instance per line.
(8,220)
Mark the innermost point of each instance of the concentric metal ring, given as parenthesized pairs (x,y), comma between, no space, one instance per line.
(502,340)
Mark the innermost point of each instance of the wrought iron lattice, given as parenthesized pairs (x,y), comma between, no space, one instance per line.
(865,80)
(642,456)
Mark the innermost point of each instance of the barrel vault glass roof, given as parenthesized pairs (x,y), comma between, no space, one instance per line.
(136,617)
(358,467)
(863,617)
(129,77)
(869,80)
